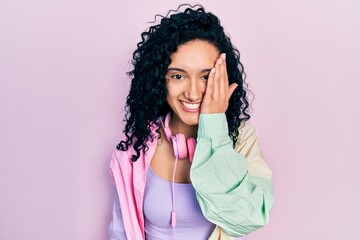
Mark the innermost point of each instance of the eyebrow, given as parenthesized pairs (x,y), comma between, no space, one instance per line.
(182,70)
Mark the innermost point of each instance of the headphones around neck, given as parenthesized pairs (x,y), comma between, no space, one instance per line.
(183,148)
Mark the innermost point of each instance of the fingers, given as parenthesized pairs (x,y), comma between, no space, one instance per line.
(218,91)
(211,82)
(223,80)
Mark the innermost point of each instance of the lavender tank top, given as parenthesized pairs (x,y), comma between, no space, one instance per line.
(191,224)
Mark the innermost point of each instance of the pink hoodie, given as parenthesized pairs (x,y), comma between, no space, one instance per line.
(129,179)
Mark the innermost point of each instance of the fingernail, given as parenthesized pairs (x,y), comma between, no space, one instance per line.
(223,56)
(219,61)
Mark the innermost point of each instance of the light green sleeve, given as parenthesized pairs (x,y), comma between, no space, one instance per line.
(233,186)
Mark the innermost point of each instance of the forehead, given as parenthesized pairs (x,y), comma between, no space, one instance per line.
(194,55)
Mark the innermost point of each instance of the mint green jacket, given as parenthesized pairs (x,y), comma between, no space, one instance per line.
(233,186)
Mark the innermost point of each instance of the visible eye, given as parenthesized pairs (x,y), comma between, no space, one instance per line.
(177,77)
(205,77)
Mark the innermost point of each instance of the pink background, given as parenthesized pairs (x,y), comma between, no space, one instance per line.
(63,86)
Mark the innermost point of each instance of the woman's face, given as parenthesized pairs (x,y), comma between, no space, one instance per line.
(187,77)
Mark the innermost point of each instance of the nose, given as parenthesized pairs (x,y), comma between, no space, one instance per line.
(194,91)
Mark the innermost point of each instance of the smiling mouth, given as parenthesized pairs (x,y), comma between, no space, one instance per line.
(192,107)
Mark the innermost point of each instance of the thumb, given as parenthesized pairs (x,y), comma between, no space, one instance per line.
(232,88)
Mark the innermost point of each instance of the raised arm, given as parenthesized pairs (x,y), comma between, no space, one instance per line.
(233,186)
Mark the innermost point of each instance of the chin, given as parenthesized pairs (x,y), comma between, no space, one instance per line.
(191,121)
(188,117)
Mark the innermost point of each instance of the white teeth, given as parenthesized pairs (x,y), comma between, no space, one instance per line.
(192,106)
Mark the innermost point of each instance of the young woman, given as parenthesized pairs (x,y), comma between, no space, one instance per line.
(190,166)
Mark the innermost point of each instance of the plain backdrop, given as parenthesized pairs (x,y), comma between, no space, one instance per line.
(63,86)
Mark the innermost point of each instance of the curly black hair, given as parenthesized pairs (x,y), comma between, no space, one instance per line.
(147,97)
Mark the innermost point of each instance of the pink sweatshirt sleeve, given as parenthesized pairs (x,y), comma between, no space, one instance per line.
(116,228)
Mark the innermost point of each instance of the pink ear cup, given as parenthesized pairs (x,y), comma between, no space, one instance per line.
(181,146)
(191,144)
(175,147)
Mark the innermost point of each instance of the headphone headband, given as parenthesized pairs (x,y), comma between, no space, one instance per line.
(166,126)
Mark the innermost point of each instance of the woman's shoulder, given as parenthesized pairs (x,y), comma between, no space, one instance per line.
(247,136)
(246,130)
(248,145)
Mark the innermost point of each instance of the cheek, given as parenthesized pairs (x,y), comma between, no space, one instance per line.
(203,87)
(172,90)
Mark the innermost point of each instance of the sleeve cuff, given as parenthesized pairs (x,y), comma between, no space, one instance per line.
(213,125)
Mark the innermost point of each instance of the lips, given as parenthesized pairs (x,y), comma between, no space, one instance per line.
(190,107)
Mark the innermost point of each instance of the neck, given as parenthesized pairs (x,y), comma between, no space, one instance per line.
(177,126)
